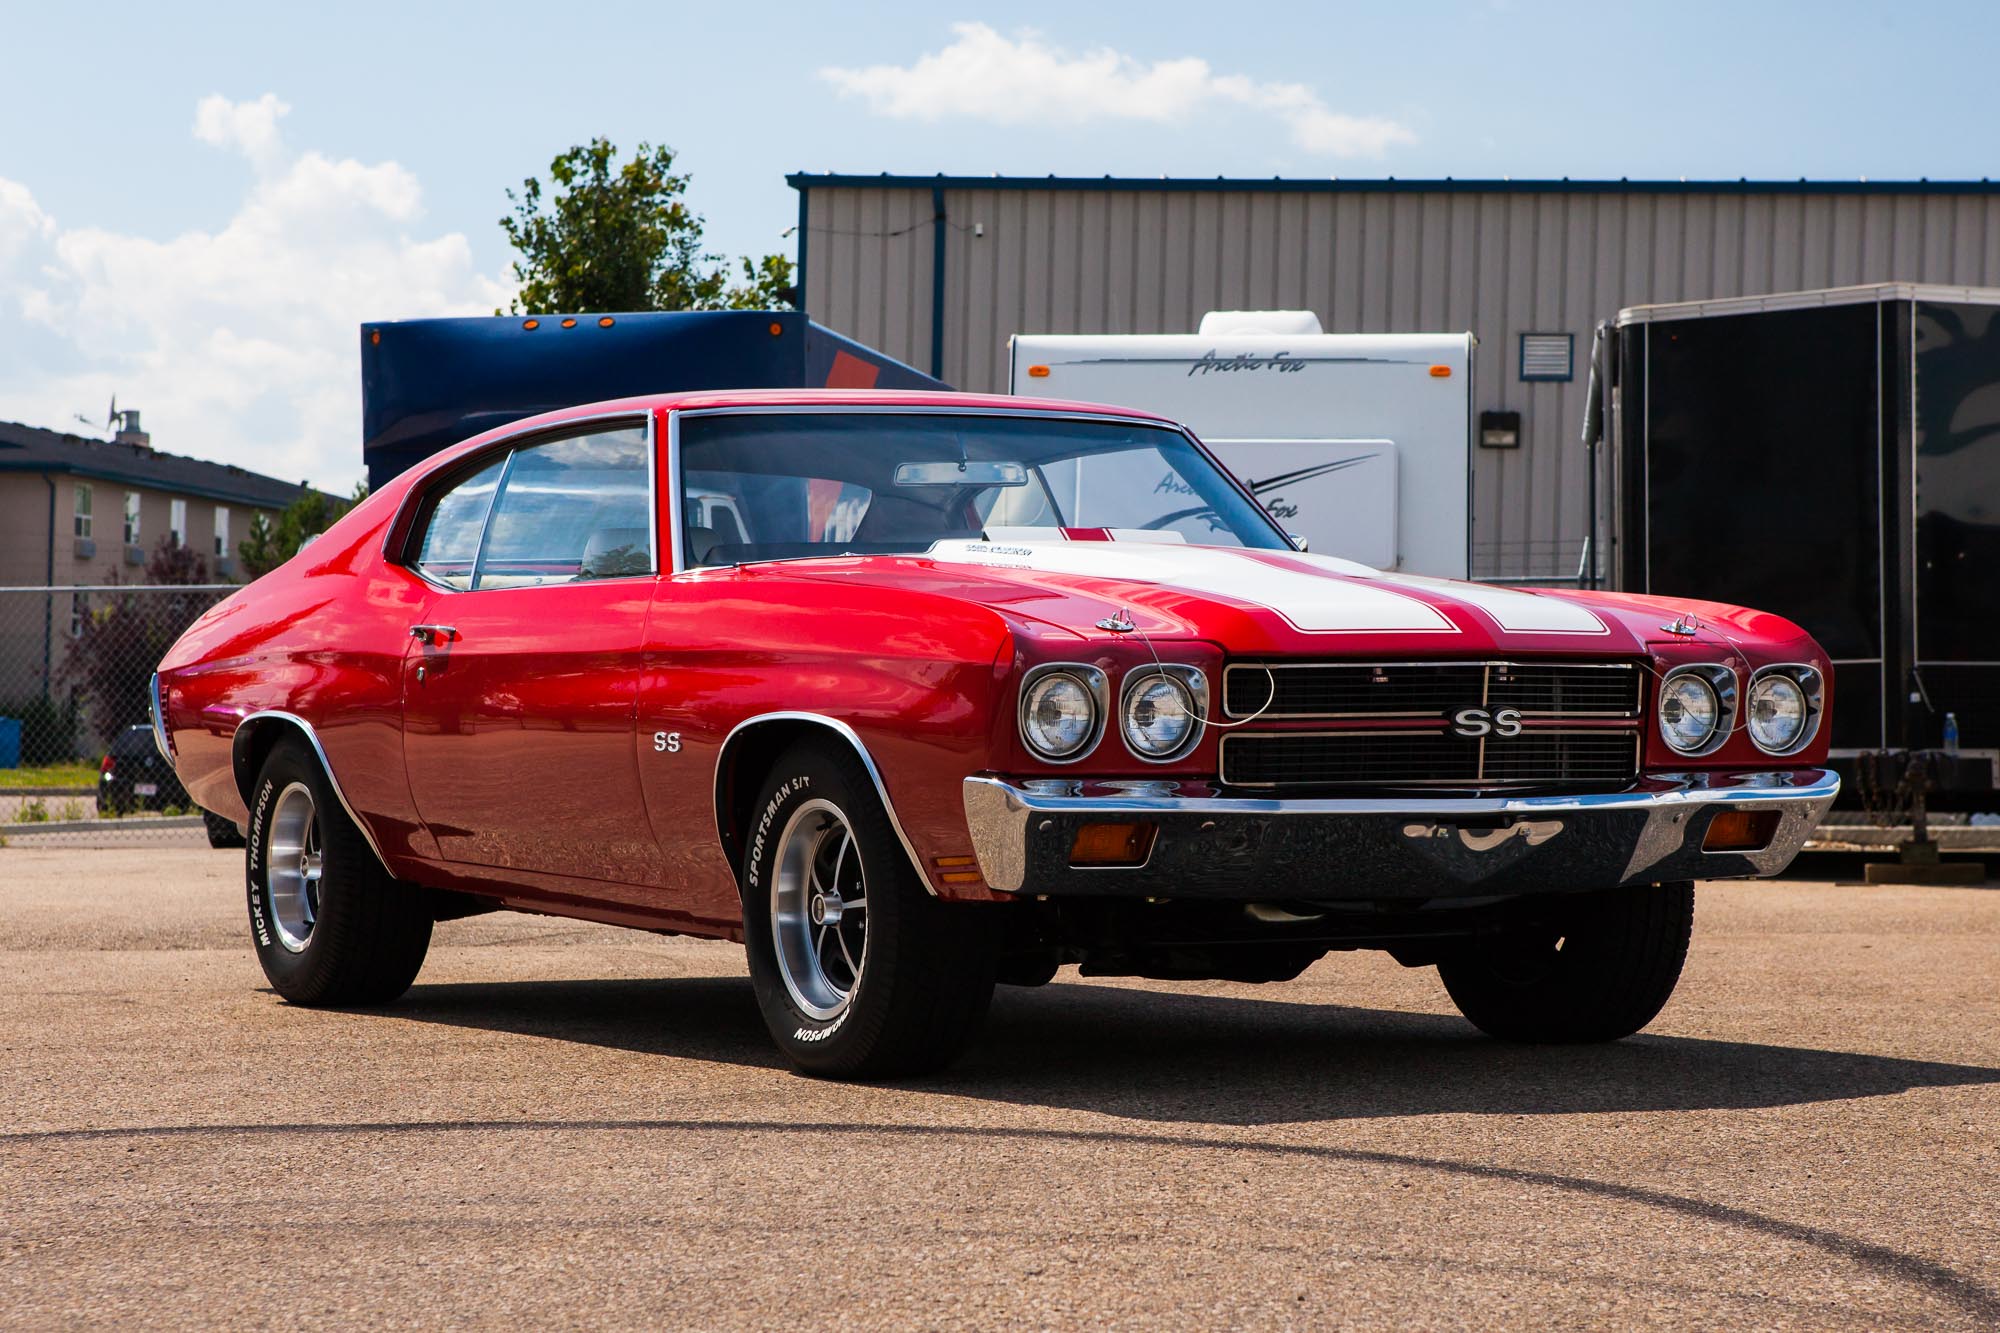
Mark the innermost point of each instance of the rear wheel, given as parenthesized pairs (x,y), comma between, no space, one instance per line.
(330,925)
(1596,967)
(858,970)
(221,832)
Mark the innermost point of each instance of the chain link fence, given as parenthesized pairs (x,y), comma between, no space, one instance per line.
(77,763)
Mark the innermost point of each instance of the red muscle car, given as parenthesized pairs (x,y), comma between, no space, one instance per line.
(911,693)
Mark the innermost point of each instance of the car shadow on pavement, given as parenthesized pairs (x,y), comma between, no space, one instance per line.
(1175,1057)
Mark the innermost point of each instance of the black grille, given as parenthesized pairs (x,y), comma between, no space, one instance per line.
(1430,689)
(1598,758)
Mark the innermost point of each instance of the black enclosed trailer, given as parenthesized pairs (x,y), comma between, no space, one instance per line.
(1832,456)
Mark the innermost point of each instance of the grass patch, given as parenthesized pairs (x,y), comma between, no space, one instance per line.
(75,774)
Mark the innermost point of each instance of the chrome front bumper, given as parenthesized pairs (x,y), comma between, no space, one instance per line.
(1401,848)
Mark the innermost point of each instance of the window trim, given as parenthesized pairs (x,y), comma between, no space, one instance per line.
(405,533)
(677,485)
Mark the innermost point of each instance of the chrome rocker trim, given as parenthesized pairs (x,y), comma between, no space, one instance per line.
(1390,848)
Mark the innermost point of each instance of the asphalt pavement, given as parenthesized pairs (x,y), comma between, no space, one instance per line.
(568,1125)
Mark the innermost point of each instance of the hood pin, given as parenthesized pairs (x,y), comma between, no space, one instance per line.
(1119,622)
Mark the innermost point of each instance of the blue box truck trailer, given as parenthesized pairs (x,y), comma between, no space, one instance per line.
(429,383)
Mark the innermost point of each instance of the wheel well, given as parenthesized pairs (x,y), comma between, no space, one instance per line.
(746,758)
(740,769)
(254,742)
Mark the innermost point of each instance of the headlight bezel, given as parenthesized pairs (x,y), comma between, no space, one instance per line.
(1192,683)
(1721,682)
(1095,686)
(1811,683)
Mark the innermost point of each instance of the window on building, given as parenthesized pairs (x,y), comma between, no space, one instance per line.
(177,521)
(83,509)
(79,611)
(131,518)
(222,532)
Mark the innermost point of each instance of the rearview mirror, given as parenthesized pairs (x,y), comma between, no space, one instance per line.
(961,474)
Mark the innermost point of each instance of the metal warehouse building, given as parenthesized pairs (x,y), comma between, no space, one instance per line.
(940,271)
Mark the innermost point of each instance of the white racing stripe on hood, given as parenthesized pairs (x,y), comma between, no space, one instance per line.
(1312,603)
(1512,610)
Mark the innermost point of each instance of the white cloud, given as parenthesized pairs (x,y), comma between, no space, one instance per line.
(251,127)
(240,344)
(983,75)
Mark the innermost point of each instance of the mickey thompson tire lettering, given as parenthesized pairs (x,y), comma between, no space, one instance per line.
(927,974)
(254,861)
(369,934)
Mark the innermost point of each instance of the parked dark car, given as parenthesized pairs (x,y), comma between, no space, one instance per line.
(133,776)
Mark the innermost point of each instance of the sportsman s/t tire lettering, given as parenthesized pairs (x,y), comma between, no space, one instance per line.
(1594,967)
(330,925)
(858,971)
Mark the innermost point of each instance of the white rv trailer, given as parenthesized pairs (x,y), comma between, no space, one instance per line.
(1360,443)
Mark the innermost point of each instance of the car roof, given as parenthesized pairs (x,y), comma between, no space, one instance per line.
(705,399)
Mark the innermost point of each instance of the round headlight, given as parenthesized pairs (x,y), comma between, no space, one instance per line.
(1159,715)
(1059,715)
(1689,712)
(1777,713)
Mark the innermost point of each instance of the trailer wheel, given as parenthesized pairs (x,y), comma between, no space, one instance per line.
(1597,968)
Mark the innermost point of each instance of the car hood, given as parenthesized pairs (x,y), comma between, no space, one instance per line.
(1283,602)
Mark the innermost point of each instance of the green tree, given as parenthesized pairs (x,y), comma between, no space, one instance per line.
(269,544)
(120,639)
(607,235)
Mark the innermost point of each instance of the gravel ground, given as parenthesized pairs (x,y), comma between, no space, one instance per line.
(566,1125)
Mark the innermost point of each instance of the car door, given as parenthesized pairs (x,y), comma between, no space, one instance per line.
(520,682)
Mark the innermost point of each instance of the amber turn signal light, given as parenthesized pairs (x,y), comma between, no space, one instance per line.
(1038,372)
(1440,372)
(1741,831)
(1112,845)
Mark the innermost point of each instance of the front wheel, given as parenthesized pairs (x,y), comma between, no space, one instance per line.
(859,972)
(1594,967)
(330,925)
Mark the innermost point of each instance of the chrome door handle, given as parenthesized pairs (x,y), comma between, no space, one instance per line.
(433,634)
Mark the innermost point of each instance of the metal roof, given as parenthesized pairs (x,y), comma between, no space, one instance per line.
(32,449)
(1867,294)
(806,180)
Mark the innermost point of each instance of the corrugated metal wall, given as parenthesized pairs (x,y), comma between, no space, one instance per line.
(1498,261)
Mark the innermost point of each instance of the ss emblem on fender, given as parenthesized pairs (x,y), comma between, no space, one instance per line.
(1480,722)
(668,742)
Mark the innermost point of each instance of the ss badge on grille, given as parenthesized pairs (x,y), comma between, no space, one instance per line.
(1480,722)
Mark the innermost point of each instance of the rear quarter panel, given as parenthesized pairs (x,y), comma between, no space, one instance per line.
(322,637)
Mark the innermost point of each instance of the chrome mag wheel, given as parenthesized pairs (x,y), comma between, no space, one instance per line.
(294,864)
(819,909)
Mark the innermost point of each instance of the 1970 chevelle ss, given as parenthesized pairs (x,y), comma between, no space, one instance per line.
(913,693)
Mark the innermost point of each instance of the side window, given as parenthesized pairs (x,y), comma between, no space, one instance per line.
(450,545)
(570,509)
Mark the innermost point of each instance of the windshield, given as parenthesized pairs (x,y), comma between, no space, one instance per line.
(779,486)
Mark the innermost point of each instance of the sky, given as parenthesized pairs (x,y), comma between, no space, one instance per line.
(200,203)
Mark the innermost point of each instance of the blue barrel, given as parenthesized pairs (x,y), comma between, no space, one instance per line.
(10,742)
